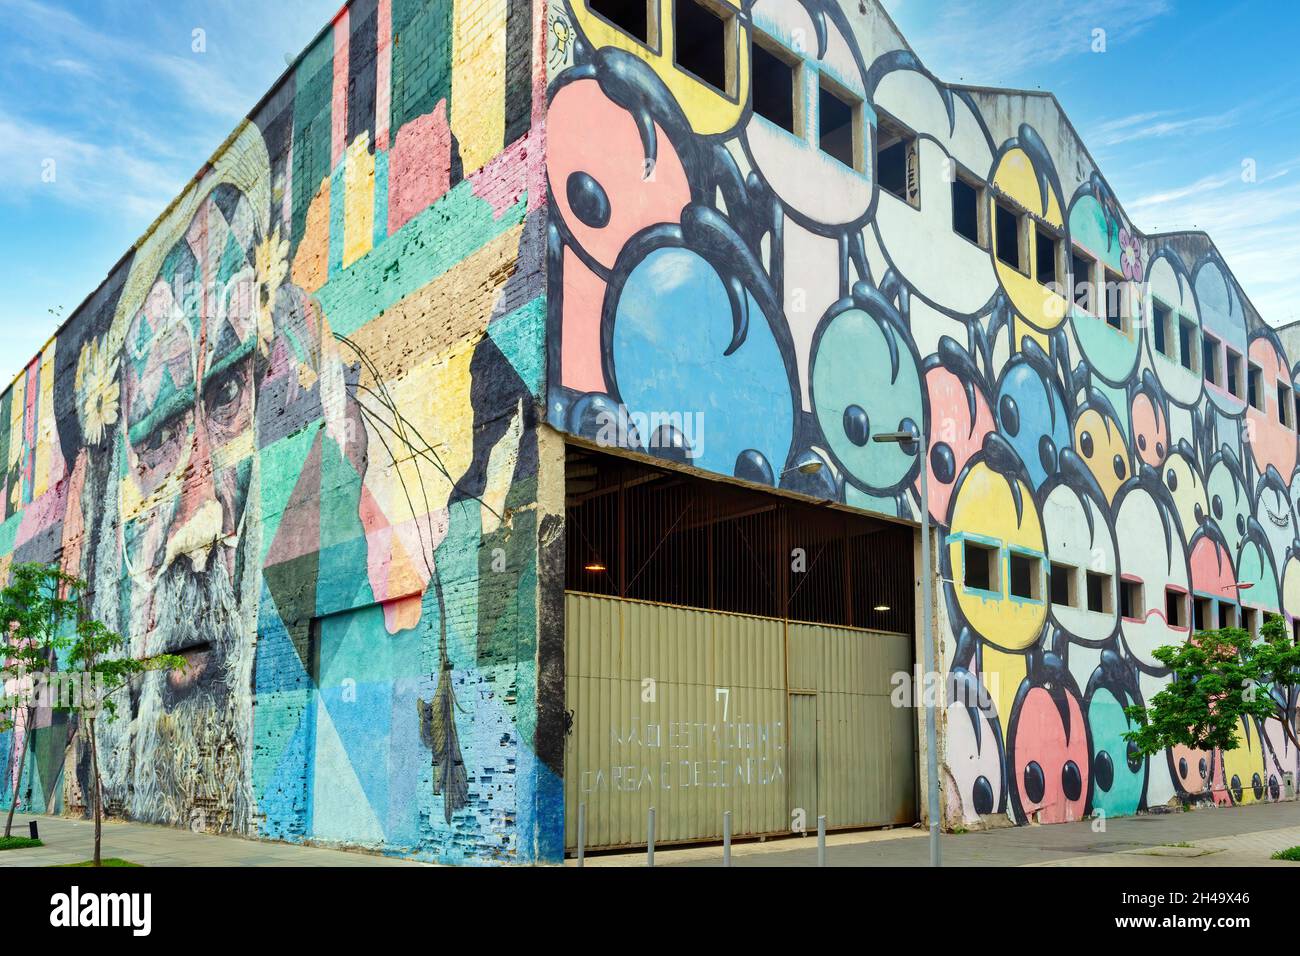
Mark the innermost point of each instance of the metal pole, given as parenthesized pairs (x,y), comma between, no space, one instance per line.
(821,840)
(582,833)
(927,606)
(726,838)
(650,838)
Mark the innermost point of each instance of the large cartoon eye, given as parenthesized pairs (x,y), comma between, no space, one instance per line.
(943,463)
(1217,507)
(1071,780)
(1035,782)
(1047,453)
(1235,787)
(1142,442)
(1171,480)
(1241,524)
(1009,414)
(1160,449)
(1103,771)
(1198,513)
(1182,768)
(1257,785)
(982,795)
(588,200)
(1273,789)
(1120,468)
(1085,444)
(1134,758)
(1201,767)
(857,428)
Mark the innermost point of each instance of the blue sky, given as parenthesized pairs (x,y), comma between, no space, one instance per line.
(114,93)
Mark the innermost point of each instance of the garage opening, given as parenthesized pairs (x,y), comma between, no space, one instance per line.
(729,649)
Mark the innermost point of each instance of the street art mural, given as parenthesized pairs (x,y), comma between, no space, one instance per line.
(785,228)
(292,438)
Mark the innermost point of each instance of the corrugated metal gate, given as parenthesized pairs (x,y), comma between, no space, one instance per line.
(697,712)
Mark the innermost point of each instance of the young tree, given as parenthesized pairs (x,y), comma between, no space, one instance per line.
(1219,677)
(103,673)
(35,608)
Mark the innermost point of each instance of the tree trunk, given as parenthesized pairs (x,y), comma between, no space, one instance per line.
(18,777)
(99,793)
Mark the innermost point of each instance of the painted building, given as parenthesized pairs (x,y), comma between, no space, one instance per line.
(316,431)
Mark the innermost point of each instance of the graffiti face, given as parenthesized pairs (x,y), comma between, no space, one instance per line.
(1100,445)
(820,191)
(1190,769)
(1079,537)
(1239,775)
(962,417)
(975,732)
(1112,354)
(1032,417)
(188,395)
(1150,430)
(1177,366)
(858,343)
(1152,563)
(1048,753)
(710,110)
(994,517)
(1182,479)
(1228,500)
(1221,317)
(1276,517)
(956,275)
(1273,443)
(1025,174)
(1118,771)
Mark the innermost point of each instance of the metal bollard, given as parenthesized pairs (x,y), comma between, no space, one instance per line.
(650,838)
(821,841)
(31,828)
(582,833)
(726,838)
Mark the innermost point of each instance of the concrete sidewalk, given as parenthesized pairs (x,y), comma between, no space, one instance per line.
(73,841)
(1232,836)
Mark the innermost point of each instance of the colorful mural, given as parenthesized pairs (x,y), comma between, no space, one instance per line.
(293,438)
(791,232)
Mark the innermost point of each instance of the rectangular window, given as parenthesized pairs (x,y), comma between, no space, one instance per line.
(1285,404)
(1116,312)
(966,210)
(1249,621)
(700,37)
(1025,574)
(838,137)
(1210,359)
(1130,600)
(1175,608)
(895,152)
(1045,246)
(1081,271)
(1098,592)
(1008,237)
(1160,328)
(1200,613)
(630,16)
(1232,372)
(1227,615)
(1061,585)
(1187,344)
(773,88)
(1255,387)
(980,567)
(1295,407)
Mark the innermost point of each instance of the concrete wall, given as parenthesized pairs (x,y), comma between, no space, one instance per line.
(293,437)
(722,291)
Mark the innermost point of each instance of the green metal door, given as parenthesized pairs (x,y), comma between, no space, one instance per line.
(803,761)
(686,711)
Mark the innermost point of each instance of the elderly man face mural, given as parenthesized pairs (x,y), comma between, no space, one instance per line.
(168,405)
